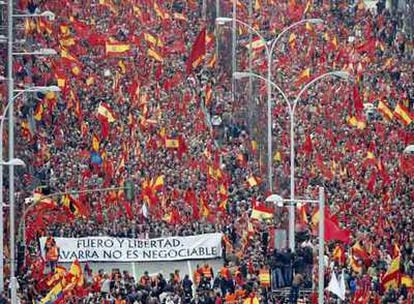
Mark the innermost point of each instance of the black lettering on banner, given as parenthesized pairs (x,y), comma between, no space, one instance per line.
(63,254)
(193,252)
(73,256)
(79,243)
(132,254)
(214,251)
(116,254)
(201,251)
(182,253)
(107,254)
(100,243)
(108,243)
(172,253)
(120,242)
(168,244)
(146,254)
(176,243)
(153,244)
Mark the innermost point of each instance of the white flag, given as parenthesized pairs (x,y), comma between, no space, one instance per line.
(335,288)
(144,210)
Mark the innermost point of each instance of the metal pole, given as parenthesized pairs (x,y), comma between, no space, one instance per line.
(1,216)
(216,31)
(321,270)
(233,61)
(269,122)
(11,149)
(250,56)
(292,180)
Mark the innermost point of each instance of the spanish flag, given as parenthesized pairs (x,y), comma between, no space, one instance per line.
(155,55)
(261,212)
(61,80)
(154,41)
(158,183)
(205,210)
(76,273)
(116,48)
(58,275)
(215,173)
(357,122)
(303,77)
(64,54)
(74,206)
(385,110)
(160,11)
(403,114)
(198,52)
(252,181)
(106,113)
(256,45)
(55,295)
(392,277)
(172,143)
(338,255)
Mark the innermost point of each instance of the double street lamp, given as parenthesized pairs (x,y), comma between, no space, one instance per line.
(269,46)
(292,107)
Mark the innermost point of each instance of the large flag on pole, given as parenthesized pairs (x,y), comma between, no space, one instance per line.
(197,52)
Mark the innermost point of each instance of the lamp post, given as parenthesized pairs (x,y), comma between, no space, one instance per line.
(41,52)
(292,108)
(279,201)
(269,47)
(11,163)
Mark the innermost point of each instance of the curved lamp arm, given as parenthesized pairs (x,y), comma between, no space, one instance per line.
(340,74)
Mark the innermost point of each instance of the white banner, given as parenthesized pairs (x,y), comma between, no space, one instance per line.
(109,249)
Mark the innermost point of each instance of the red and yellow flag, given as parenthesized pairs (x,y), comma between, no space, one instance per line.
(403,114)
(261,212)
(155,55)
(385,110)
(105,112)
(392,277)
(198,51)
(116,48)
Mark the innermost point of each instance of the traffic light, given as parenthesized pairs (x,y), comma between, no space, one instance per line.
(129,190)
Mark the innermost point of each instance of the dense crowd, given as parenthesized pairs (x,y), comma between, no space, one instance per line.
(208,154)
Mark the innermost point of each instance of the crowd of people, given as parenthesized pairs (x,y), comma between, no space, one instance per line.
(135,106)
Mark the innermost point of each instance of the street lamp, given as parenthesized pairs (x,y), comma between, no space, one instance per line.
(280,202)
(269,47)
(11,163)
(47,14)
(292,107)
(10,99)
(41,52)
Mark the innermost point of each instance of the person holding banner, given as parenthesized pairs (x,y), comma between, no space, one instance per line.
(52,253)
